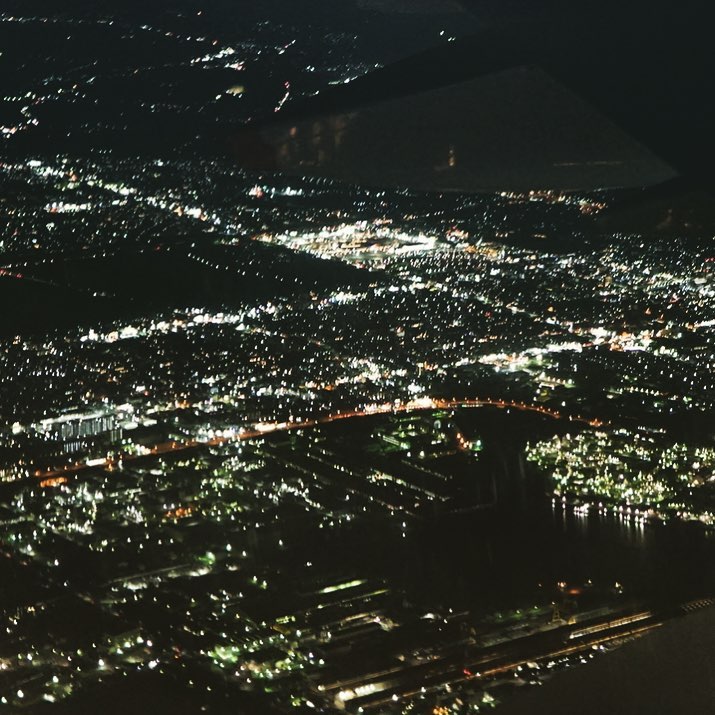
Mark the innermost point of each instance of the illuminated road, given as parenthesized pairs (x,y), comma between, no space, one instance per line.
(52,477)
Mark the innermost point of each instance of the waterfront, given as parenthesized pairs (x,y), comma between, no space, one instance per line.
(514,552)
(322,556)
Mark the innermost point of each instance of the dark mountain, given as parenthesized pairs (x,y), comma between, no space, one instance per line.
(67,292)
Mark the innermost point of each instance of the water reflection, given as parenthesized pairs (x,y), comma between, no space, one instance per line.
(508,558)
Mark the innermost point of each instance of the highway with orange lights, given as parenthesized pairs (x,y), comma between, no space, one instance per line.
(50,476)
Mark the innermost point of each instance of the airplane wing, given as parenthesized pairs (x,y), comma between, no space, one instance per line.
(596,96)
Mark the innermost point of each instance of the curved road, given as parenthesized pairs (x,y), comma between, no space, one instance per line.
(52,477)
